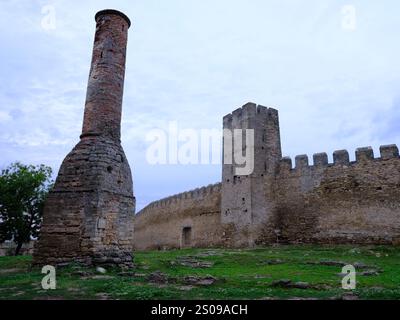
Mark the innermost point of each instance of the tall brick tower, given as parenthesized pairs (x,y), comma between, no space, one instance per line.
(88,216)
(245,209)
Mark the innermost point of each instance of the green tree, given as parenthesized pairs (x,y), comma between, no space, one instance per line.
(23,189)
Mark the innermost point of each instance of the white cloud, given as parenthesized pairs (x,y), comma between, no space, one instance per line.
(5,117)
(193,62)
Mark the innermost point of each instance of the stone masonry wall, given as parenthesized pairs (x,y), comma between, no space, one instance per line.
(88,215)
(343,202)
(8,248)
(340,202)
(161,224)
(244,205)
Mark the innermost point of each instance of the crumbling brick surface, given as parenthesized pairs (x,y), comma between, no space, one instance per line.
(88,216)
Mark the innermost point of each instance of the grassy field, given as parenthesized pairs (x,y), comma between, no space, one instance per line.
(264,273)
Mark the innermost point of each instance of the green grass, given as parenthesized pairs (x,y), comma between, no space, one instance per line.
(241,274)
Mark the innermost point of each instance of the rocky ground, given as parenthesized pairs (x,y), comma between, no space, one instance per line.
(278,272)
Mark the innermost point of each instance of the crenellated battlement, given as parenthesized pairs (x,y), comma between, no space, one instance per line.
(196,194)
(340,158)
(248,111)
(282,200)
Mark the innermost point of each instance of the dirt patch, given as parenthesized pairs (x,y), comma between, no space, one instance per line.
(192,262)
(81,273)
(289,284)
(199,281)
(271,262)
(160,278)
(357,265)
(186,288)
(128,274)
(102,296)
(329,263)
(349,296)
(262,276)
(285,283)
(50,298)
(208,254)
(98,277)
(13,270)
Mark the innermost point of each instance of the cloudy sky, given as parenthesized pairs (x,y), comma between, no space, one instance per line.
(331,68)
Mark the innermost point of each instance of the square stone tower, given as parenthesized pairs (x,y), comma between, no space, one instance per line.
(88,216)
(245,208)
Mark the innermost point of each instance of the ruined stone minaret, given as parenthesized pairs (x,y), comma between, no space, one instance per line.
(246,206)
(88,216)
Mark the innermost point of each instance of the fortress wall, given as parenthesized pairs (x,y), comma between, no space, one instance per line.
(8,248)
(340,202)
(160,225)
(343,202)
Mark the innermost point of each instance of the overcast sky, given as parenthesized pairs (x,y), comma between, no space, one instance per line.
(335,81)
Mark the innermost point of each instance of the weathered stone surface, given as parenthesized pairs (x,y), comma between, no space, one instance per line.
(320,159)
(192,262)
(158,277)
(389,152)
(370,273)
(101,270)
(88,216)
(340,202)
(199,281)
(272,262)
(349,296)
(244,205)
(329,263)
(341,157)
(161,224)
(289,284)
(8,248)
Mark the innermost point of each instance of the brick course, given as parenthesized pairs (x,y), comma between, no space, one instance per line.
(88,216)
